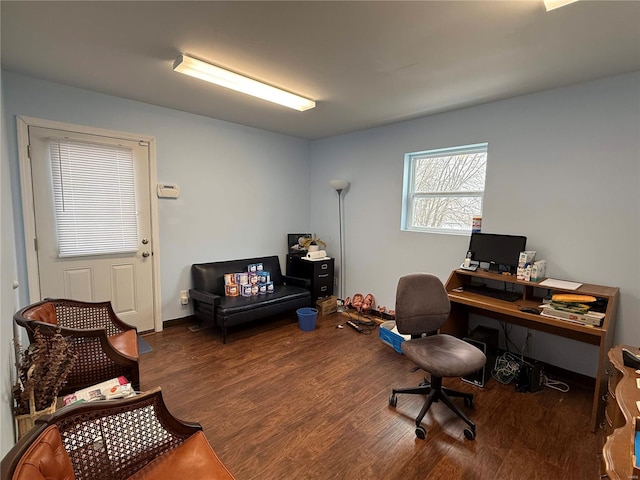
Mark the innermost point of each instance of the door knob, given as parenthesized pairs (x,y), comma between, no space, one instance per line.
(145,254)
(145,241)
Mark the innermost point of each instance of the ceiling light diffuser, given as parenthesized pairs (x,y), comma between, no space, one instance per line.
(553,4)
(225,78)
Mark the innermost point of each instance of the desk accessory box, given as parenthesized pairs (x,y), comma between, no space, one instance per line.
(538,270)
(526,257)
(525,261)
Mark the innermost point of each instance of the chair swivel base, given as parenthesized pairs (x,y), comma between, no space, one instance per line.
(435,392)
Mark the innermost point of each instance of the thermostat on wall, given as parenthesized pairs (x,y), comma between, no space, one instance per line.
(168,191)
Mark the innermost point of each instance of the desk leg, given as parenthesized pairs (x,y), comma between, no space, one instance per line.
(458,322)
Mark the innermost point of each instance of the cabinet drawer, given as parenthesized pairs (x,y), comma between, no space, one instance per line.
(322,267)
(324,280)
(613,414)
(323,285)
(614,378)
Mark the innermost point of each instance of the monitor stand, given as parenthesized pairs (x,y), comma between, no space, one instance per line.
(494,267)
(500,269)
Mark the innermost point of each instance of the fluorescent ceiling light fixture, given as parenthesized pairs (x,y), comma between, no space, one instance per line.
(205,71)
(553,4)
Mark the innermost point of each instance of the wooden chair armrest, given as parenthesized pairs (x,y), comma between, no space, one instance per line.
(110,321)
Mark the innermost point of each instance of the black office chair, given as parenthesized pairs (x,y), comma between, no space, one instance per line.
(422,307)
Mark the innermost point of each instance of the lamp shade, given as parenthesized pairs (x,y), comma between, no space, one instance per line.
(339,185)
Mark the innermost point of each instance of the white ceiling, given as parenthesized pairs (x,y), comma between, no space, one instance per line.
(366,63)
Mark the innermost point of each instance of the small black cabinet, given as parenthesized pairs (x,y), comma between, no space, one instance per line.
(320,272)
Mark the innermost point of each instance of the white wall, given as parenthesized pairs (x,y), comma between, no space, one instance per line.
(8,295)
(242,189)
(563,169)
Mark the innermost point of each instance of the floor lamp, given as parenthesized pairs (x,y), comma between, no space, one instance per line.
(339,186)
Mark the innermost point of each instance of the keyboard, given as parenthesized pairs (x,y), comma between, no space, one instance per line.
(493,292)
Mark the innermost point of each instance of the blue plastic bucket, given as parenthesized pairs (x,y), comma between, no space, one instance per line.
(307,318)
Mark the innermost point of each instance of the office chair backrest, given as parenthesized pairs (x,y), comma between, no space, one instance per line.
(422,304)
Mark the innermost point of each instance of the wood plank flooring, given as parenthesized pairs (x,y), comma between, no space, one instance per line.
(279,403)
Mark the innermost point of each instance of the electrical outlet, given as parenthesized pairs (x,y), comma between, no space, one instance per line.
(335,281)
(184,297)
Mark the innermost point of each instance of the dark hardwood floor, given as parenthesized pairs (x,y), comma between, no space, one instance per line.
(279,403)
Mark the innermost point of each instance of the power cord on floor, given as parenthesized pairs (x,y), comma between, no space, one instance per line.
(555,384)
(507,368)
(362,322)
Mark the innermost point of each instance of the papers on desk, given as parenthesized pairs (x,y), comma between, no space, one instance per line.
(553,283)
(591,319)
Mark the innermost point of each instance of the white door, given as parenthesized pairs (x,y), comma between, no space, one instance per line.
(124,274)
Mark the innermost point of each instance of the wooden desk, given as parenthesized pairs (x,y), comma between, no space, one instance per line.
(463,303)
(620,418)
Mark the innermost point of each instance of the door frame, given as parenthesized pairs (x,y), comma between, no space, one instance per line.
(28,216)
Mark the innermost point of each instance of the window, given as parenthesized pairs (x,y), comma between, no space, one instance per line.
(94,198)
(443,189)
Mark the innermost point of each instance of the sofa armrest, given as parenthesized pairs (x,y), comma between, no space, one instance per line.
(205,297)
(297,281)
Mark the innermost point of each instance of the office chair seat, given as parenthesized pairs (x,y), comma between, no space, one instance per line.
(434,355)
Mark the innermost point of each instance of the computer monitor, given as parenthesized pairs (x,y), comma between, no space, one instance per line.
(501,252)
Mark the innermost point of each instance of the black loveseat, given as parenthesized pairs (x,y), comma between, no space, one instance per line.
(212,307)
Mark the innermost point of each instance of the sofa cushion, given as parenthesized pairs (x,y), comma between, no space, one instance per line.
(45,459)
(192,460)
(282,293)
(126,343)
(45,312)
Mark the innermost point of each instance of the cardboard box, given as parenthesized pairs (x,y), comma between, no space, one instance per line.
(524,273)
(232,290)
(538,270)
(526,257)
(327,305)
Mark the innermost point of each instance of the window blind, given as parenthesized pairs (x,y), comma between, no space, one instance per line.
(94,198)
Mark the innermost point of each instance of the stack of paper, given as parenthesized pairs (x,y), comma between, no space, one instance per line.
(95,392)
(589,318)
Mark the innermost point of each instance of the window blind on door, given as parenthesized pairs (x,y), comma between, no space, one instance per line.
(94,198)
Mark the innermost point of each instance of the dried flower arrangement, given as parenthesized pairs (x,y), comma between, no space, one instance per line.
(314,240)
(42,371)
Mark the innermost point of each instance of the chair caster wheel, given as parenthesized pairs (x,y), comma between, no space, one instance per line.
(468,402)
(421,433)
(469,434)
(393,400)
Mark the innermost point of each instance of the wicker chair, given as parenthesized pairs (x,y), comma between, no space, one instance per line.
(133,438)
(106,347)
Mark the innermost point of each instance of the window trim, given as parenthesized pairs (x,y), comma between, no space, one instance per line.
(409,196)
